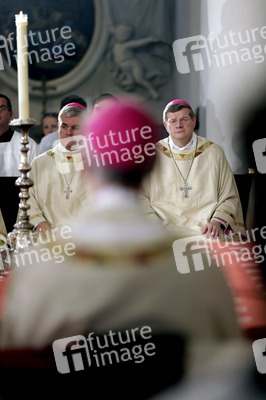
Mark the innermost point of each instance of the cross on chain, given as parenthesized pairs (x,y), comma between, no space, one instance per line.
(186,188)
(67,191)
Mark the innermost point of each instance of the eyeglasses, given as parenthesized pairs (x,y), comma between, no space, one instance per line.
(4,108)
(182,121)
(66,128)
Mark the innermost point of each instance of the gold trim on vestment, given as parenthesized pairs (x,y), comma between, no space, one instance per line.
(50,153)
(115,257)
(231,215)
(36,215)
(184,156)
(63,157)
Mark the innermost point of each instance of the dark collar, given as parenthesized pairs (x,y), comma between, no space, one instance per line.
(7,136)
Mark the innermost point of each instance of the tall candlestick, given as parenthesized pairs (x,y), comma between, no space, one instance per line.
(20,237)
(22,65)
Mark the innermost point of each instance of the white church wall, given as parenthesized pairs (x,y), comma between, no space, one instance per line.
(226,70)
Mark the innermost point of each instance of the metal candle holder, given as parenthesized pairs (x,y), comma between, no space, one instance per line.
(21,235)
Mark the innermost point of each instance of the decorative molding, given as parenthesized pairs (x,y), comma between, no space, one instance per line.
(79,73)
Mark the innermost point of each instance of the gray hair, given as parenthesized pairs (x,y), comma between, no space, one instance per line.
(70,111)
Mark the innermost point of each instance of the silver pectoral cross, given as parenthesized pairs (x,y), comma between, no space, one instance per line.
(67,192)
(186,188)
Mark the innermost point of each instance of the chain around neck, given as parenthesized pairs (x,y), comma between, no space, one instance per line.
(184,179)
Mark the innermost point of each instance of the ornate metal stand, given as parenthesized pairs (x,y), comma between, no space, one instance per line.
(21,237)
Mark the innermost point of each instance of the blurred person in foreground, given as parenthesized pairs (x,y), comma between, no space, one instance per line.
(123,273)
(253,134)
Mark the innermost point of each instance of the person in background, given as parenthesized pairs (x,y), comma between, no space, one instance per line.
(47,125)
(10,154)
(103,100)
(49,122)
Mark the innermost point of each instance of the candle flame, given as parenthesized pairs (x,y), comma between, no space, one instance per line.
(21,18)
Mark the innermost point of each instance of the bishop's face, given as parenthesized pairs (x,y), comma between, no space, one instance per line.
(180,126)
(67,128)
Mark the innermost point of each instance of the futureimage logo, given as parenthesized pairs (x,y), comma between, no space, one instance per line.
(78,353)
(55,246)
(259,350)
(88,150)
(197,253)
(191,54)
(51,45)
(193,254)
(198,52)
(259,150)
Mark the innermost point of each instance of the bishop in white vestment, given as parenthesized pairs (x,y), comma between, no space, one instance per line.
(192,189)
(58,194)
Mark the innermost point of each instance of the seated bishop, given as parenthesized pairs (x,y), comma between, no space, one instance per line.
(192,189)
(58,193)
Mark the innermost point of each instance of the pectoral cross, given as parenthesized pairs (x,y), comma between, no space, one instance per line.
(186,188)
(67,191)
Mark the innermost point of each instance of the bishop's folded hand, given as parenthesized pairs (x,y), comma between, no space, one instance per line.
(213,230)
(43,228)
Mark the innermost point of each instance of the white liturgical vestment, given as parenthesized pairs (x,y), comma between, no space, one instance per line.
(211,189)
(10,155)
(58,194)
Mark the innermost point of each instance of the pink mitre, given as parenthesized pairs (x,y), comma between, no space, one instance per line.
(177,101)
(171,103)
(125,131)
(76,105)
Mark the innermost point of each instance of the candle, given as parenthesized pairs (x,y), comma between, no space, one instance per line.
(22,65)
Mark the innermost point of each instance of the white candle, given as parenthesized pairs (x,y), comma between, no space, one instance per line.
(22,65)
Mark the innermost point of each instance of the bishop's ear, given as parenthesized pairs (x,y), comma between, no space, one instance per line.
(165,125)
